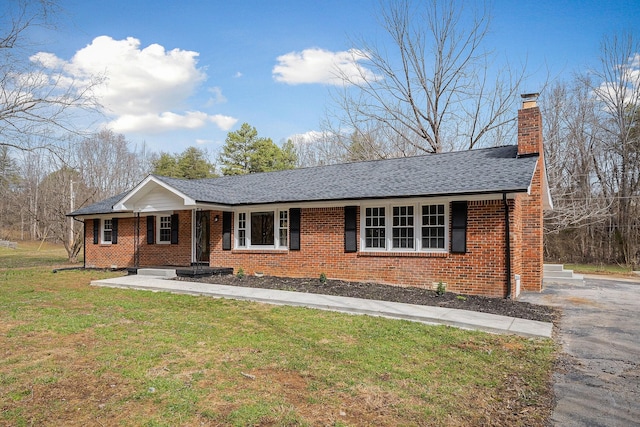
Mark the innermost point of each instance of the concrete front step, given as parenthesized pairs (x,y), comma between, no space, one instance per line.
(553,267)
(168,273)
(560,274)
(556,273)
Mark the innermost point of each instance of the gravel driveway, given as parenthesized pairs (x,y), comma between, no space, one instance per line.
(599,383)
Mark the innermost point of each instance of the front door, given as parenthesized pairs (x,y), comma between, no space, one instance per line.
(202,238)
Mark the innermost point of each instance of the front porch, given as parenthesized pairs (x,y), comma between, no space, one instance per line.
(173,271)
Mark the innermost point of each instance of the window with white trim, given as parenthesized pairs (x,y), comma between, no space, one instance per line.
(242,229)
(107,231)
(402,227)
(408,227)
(262,229)
(433,227)
(375,228)
(284,227)
(164,229)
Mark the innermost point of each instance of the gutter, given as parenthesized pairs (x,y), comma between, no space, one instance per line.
(507,238)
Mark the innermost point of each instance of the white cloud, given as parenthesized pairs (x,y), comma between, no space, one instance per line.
(144,87)
(223,122)
(156,123)
(216,96)
(237,75)
(322,66)
(47,60)
(625,89)
(307,137)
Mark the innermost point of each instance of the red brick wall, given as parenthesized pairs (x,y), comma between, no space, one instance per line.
(480,271)
(121,254)
(532,236)
(109,255)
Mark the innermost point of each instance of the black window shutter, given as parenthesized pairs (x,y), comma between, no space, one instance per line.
(151,233)
(294,229)
(350,229)
(226,231)
(96,231)
(114,231)
(459,227)
(174,229)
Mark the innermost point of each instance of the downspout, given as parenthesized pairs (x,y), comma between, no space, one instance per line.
(507,245)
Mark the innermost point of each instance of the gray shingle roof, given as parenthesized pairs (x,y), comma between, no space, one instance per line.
(483,171)
(103,206)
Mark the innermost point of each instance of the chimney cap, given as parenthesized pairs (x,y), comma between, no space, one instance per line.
(529,100)
(530,96)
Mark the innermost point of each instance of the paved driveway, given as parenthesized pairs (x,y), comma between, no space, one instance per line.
(600,333)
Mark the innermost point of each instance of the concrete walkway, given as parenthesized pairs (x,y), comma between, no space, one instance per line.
(417,313)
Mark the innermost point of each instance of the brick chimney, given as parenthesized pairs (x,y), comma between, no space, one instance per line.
(530,144)
(530,126)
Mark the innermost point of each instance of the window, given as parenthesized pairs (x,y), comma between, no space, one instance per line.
(403,227)
(107,231)
(242,229)
(164,229)
(374,228)
(433,227)
(284,227)
(407,227)
(262,229)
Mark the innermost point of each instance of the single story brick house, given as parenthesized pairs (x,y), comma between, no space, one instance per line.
(471,219)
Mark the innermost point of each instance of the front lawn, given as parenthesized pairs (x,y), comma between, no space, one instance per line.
(75,355)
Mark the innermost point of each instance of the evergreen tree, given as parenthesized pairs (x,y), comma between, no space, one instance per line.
(244,152)
(192,163)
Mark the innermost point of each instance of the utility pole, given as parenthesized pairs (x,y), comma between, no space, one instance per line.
(71,218)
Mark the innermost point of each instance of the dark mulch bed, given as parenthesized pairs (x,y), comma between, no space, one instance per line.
(376,291)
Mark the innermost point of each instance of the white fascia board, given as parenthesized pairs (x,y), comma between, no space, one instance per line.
(143,188)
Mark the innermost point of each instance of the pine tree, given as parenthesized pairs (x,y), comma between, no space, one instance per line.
(244,152)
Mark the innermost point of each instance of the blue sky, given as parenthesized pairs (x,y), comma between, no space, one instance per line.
(185,73)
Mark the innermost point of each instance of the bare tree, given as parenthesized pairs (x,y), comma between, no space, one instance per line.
(37,99)
(571,133)
(433,87)
(108,164)
(592,135)
(50,183)
(618,166)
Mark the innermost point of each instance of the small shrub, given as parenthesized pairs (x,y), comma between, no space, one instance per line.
(441,289)
(323,278)
(240,273)
(461,298)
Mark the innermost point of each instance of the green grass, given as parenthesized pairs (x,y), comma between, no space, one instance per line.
(74,354)
(32,254)
(612,269)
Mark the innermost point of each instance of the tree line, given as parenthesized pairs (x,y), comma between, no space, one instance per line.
(430,88)
(592,147)
(39,187)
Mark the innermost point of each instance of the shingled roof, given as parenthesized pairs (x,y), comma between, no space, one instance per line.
(483,171)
